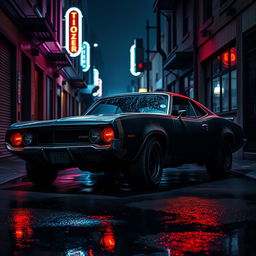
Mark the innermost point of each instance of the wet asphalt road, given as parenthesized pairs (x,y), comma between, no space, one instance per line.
(85,214)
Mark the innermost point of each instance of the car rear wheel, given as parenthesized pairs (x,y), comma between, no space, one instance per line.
(146,171)
(41,175)
(220,163)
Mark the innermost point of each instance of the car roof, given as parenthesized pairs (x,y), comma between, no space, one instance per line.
(161,93)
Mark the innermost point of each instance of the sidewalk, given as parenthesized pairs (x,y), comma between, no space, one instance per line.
(13,168)
(245,168)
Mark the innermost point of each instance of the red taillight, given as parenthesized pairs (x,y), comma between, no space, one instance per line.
(16,139)
(108,135)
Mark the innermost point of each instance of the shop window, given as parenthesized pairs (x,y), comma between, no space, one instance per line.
(171,87)
(222,82)
(188,85)
(172,31)
(58,92)
(50,98)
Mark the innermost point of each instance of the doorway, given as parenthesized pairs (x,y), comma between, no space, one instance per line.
(26,89)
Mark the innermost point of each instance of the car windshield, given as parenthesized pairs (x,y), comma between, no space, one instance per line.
(149,103)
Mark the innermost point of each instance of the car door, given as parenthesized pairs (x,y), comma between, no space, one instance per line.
(189,130)
(199,129)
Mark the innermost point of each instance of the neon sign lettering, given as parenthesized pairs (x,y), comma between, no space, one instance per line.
(74,31)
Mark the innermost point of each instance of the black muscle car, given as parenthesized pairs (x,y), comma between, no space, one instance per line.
(138,134)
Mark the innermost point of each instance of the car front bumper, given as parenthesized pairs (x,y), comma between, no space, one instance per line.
(72,155)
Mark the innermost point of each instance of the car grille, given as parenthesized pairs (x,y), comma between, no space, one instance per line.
(59,135)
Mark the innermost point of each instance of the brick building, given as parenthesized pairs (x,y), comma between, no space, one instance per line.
(208,52)
(38,79)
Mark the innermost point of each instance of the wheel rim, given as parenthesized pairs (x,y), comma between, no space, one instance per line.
(154,162)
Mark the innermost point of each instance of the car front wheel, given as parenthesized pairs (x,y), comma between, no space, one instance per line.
(146,171)
(220,163)
(41,175)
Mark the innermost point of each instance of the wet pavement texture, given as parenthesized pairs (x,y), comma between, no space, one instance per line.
(86,214)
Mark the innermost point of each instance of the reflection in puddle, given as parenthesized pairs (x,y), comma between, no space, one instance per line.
(180,243)
(21,223)
(200,220)
(107,239)
(192,210)
(173,227)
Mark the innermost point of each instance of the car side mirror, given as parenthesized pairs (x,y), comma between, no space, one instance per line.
(181,113)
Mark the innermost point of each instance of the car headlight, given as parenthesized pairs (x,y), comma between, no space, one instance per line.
(27,138)
(16,139)
(95,136)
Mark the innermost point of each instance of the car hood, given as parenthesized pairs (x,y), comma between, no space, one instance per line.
(74,120)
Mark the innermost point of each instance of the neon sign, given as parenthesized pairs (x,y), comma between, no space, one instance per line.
(73,31)
(229,58)
(132,61)
(85,57)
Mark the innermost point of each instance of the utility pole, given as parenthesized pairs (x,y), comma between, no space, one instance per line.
(148,54)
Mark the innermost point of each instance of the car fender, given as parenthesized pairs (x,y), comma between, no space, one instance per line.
(158,132)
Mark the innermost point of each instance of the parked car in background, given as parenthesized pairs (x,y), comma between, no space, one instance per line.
(138,134)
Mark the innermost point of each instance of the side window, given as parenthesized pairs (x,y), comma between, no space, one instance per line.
(180,103)
(199,111)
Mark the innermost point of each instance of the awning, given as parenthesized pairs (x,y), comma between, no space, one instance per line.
(61,59)
(179,60)
(165,5)
(78,83)
(40,28)
(90,89)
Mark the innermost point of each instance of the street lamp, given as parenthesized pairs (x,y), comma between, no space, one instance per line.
(95,45)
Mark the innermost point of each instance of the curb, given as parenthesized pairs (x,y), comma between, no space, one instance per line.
(244,173)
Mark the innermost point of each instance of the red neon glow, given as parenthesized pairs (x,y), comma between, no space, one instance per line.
(73,32)
(229,58)
(16,139)
(22,226)
(140,65)
(233,56)
(108,135)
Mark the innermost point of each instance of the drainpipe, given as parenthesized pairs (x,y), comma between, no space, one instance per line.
(158,42)
(195,49)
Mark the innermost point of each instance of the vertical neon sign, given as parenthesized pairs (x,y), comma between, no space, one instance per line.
(132,61)
(73,31)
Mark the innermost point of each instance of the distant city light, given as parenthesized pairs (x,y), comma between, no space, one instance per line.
(96,76)
(143,90)
(85,57)
(95,45)
(132,61)
(73,31)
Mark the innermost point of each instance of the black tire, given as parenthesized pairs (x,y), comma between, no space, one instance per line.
(221,162)
(41,175)
(146,171)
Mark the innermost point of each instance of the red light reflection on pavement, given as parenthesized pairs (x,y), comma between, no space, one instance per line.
(107,238)
(180,243)
(192,210)
(22,227)
(201,213)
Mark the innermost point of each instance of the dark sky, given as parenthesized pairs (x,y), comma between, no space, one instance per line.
(116,23)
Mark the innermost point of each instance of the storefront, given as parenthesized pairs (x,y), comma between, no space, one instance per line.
(7,90)
(250,90)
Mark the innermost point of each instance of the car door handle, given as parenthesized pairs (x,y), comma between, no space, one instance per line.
(205,126)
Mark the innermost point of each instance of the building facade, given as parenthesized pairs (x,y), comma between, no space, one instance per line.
(208,52)
(38,79)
